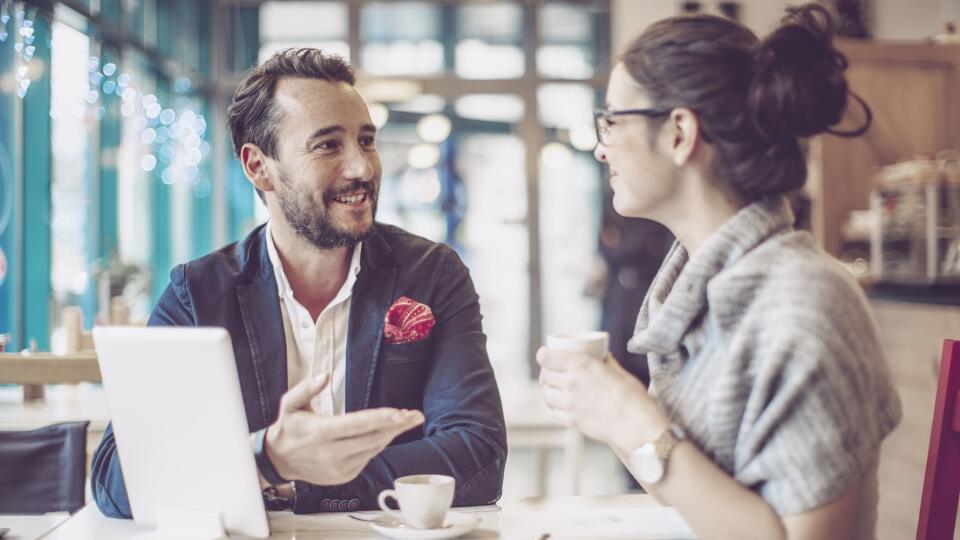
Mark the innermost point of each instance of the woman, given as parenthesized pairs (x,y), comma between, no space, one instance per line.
(769,393)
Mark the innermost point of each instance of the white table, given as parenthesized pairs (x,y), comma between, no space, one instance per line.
(30,527)
(527,519)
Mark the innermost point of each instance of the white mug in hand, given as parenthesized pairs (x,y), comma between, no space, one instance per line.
(593,344)
(424,499)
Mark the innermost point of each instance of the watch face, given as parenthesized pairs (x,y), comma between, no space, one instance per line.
(646,464)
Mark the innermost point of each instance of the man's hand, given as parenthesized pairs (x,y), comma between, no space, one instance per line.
(329,450)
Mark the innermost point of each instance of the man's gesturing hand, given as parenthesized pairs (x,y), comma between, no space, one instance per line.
(329,450)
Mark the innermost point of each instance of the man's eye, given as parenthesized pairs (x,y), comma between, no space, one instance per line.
(328,145)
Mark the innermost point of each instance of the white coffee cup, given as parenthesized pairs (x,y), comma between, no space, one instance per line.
(593,344)
(424,499)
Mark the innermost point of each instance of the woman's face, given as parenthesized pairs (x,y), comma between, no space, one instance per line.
(642,174)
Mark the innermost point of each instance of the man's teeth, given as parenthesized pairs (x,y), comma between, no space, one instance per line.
(351,199)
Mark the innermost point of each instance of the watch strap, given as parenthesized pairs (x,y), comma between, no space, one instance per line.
(273,500)
(667,441)
(264,464)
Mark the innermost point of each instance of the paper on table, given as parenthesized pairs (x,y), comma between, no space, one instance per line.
(655,523)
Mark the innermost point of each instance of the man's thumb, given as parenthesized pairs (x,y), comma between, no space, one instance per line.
(300,395)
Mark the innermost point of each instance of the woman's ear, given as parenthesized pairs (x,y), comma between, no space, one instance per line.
(254,163)
(684,128)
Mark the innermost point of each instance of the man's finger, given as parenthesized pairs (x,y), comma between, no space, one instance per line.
(300,395)
(371,420)
(365,447)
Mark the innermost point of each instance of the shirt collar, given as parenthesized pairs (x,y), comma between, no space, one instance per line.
(283,286)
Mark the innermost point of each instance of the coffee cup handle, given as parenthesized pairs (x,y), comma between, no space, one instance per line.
(382,502)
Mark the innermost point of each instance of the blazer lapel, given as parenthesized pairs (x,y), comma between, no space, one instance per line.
(372,295)
(263,324)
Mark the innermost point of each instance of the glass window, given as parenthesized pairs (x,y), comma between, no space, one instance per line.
(77,80)
(303,24)
(565,105)
(496,246)
(568,48)
(135,164)
(8,190)
(490,41)
(410,186)
(507,108)
(570,207)
(401,38)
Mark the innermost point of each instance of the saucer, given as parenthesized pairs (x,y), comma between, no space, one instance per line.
(455,524)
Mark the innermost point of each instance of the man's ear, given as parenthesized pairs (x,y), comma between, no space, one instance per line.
(254,163)
(684,127)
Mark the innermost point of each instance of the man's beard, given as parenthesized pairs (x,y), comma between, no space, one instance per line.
(312,221)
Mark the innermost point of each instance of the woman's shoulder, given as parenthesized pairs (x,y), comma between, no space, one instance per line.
(789,299)
(792,271)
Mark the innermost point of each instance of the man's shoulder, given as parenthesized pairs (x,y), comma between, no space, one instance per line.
(225,265)
(411,249)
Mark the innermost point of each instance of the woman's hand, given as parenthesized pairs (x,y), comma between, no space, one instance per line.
(599,398)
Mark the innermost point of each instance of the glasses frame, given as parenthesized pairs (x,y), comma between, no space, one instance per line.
(603,115)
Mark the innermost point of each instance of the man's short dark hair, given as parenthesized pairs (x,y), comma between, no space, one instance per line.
(253,116)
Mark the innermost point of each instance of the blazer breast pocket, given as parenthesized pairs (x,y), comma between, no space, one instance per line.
(393,353)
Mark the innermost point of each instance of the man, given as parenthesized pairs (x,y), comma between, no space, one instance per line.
(364,323)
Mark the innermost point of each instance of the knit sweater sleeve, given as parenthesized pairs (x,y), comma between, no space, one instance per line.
(821,401)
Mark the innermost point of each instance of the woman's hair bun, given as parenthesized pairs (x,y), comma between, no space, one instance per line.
(798,87)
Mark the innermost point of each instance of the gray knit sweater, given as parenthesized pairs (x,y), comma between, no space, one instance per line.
(764,350)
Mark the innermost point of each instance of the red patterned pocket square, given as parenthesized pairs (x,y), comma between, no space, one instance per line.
(407,320)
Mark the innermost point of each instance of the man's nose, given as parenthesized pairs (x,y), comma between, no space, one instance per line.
(358,165)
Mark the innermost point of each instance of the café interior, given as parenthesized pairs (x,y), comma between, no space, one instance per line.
(116,164)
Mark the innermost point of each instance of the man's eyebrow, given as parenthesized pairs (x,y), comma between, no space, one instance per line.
(323,131)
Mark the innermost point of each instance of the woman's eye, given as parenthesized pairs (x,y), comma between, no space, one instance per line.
(367,141)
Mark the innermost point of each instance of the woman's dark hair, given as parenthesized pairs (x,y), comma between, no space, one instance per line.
(253,116)
(754,98)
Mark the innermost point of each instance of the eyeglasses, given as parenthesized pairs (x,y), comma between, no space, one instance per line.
(601,119)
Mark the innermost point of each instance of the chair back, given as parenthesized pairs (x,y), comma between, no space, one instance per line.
(43,470)
(941,482)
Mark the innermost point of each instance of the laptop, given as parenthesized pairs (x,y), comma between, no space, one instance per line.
(180,428)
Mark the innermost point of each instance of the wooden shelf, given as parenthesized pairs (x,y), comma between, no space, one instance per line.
(912,89)
(44,368)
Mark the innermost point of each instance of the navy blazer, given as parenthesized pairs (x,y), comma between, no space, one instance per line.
(447,376)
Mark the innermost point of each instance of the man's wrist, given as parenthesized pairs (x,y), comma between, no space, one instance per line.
(264,463)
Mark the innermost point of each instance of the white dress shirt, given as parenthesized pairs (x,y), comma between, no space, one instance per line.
(321,345)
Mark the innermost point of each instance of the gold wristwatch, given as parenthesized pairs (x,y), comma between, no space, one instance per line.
(649,462)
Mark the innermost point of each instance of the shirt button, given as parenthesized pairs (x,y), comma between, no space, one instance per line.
(304,325)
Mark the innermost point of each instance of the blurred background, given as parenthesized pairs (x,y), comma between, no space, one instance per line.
(115,165)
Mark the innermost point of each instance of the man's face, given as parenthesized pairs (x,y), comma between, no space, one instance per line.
(326,177)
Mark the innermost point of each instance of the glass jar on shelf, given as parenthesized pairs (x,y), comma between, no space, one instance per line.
(917,234)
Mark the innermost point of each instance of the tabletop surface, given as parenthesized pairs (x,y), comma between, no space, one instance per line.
(62,403)
(30,527)
(617,516)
